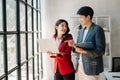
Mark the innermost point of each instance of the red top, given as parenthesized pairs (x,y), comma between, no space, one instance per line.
(63,60)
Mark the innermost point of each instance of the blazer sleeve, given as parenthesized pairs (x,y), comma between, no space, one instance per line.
(64,48)
(100,44)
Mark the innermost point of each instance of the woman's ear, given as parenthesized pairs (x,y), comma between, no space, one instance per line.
(56,27)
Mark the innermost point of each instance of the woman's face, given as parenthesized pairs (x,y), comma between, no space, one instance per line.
(61,28)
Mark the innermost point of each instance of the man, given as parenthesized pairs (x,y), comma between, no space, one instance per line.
(90,60)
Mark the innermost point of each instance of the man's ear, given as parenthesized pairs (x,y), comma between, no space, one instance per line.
(88,17)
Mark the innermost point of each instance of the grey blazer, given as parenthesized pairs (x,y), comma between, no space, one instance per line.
(93,61)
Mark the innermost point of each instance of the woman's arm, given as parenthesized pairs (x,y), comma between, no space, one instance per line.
(51,54)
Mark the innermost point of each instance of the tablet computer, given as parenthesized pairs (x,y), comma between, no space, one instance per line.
(85,45)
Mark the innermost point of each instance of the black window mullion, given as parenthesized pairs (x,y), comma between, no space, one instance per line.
(37,17)
(18,39)
(5,39)
(26,28)
(40,21)
(33,42)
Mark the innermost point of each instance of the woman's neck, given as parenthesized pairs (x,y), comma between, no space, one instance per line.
(59,36)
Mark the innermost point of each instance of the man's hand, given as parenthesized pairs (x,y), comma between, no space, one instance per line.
(80,50)
(70,43)
(77,49)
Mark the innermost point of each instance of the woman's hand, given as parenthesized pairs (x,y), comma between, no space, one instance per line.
(51,53)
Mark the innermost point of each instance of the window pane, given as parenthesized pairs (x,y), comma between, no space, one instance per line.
(36,78)
(36,66)
(29,45)
(35,43)
(30,70)
(0,15)
(23,47)
(11,15)
(39,4)
(11,46)
(13,76)
(40,34)
(39,26)
(1,56)
(34,3)
(29,2)
(22,17)
(29,19)
(23,72)
(41,65)
(23,0)
(35,21)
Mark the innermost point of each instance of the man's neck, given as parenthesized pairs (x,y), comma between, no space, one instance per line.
(88,25)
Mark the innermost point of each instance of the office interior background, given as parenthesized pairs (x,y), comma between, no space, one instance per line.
(23,22)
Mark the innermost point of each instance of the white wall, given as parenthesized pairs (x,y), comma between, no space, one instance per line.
(55,9)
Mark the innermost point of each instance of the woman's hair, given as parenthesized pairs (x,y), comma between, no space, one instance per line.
(58,23)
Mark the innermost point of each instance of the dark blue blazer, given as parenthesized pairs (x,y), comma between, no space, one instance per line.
(93,61)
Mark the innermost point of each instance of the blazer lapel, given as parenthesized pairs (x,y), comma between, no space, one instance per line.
(89,32)
(81,35)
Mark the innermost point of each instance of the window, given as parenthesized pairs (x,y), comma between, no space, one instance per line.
(20,27)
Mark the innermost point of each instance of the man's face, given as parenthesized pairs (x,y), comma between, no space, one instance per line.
(84,19)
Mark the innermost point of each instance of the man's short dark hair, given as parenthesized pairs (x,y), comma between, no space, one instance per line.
(86,10)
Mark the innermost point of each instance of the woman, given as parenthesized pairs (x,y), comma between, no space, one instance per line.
(63,66)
